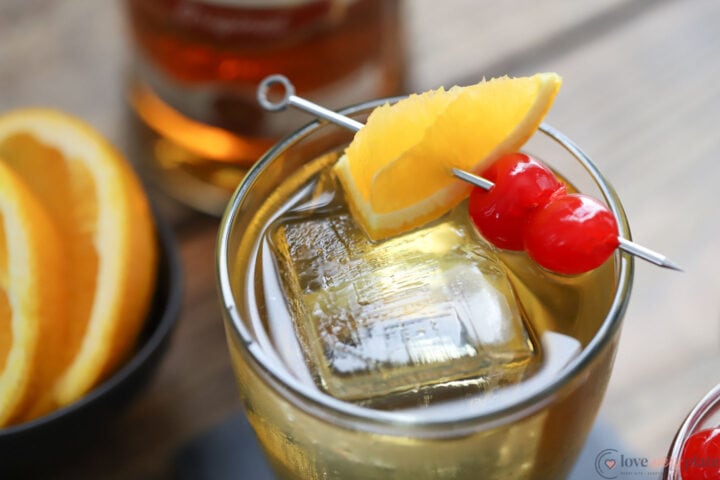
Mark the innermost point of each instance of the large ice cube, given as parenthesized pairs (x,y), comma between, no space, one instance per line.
(425,312)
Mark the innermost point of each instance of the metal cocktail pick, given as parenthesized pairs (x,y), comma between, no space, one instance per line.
(290,99)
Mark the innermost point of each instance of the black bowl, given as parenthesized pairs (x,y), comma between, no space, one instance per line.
(43,441)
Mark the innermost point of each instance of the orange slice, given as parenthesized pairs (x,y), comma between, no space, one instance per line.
(397,171)
(100,210)
(32,310)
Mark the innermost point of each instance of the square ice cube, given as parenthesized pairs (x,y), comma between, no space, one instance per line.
(428,309)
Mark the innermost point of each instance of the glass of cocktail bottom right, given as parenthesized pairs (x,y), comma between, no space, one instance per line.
(704,415)
(429,355)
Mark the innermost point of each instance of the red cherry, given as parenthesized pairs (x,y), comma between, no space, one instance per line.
(700,458)
(522,184)
(572,234)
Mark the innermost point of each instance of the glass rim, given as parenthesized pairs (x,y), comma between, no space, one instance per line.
(322,405)
(702,411)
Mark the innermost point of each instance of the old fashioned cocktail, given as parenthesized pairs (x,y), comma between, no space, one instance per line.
(431,354)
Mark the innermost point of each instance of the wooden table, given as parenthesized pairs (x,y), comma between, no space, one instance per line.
(641,95)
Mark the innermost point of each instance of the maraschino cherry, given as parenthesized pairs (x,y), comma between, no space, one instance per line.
(522,184)
(571,234)
(528,208)
(700,458)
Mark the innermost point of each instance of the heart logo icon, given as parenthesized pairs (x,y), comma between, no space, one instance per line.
(610,464)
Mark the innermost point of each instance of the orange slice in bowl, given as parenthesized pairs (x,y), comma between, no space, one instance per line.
(100,210)
(397,171)
(32,299)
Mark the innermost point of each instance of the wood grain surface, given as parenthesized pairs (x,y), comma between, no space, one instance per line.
(640,95)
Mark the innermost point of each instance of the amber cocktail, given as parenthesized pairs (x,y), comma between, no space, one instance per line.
(428,355)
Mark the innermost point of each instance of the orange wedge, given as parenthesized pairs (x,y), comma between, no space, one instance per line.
(99,208)
(397,171)
(32,299)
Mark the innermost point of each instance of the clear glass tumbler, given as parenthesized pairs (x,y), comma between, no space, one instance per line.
(308,434)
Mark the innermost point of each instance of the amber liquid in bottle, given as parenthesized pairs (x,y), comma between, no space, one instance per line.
(197,65)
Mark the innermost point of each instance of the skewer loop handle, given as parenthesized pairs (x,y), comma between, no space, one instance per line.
(269,82)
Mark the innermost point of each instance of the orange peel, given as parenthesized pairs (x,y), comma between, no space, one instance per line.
(396,173)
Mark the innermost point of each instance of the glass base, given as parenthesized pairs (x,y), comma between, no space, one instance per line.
(230,450)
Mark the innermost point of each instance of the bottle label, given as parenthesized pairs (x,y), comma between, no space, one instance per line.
(234,20)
